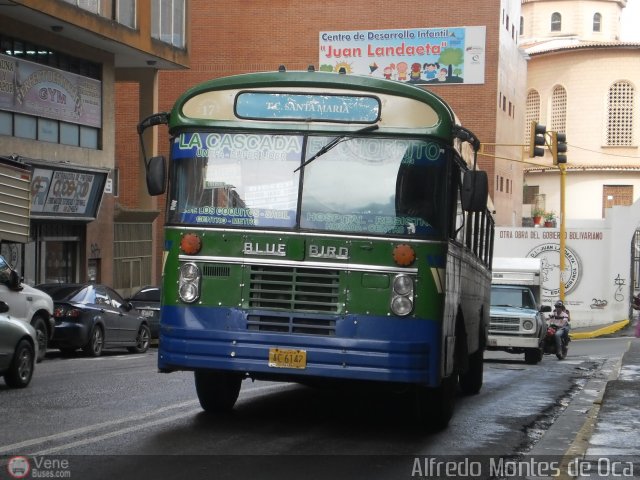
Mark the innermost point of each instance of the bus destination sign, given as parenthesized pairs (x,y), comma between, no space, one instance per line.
(295,106)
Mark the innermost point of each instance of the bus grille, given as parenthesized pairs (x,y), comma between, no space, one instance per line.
(504,324)
(291,324)
(294,289)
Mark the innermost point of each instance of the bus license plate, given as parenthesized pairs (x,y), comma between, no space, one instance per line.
(285,358)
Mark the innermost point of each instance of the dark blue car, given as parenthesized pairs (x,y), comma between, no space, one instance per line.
(94,317)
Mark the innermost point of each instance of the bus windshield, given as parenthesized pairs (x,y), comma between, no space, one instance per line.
(361,185)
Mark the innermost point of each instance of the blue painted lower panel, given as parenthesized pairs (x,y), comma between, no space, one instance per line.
(386,349)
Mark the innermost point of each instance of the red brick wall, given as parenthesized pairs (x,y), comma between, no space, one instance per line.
(127,144)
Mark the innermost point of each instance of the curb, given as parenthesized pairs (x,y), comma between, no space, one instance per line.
(614,327)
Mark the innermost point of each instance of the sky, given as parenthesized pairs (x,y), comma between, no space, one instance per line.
(630,15)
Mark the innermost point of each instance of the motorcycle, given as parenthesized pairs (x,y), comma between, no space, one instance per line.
(549,342)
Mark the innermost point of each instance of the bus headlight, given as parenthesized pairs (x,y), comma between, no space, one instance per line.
(403,285)
(402,295)
(401,305)
(189,283)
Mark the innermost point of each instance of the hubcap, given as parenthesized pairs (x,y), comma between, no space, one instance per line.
(24,365)
(97,341)
(143,338)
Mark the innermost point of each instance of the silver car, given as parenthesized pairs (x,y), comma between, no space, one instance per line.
(18,349)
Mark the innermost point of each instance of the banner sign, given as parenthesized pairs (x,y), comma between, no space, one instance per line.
(449,55)
(35,89)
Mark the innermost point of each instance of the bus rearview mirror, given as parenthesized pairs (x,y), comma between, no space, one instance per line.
(156,175)
(475,191)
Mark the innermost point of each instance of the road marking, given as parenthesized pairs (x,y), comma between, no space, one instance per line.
(116,433)
(247,393)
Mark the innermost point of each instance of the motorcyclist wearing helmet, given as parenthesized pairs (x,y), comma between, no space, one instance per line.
(560,318)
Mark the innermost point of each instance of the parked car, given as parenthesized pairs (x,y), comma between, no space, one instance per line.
(94,317)
(147,302)
(18,349)
(27,304)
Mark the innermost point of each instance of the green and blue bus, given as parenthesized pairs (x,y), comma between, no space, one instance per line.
(322,227)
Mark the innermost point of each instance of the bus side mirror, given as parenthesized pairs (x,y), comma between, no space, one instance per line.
(156,180)
(475,191)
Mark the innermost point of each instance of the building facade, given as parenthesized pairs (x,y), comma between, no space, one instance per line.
(583,80)
(60,64)
(231,37)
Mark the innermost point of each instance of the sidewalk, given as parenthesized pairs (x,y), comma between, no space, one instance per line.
(598,436)
(613,447)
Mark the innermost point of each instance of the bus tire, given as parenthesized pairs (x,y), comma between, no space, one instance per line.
(471,379)
(435,406)
(217,391)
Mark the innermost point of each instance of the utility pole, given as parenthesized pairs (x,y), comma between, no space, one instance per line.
(557,143)
(563,231)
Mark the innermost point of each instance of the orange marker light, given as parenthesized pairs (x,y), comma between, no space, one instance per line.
(404,255)
(190,244)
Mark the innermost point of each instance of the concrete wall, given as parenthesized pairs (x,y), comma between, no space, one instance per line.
(598,261)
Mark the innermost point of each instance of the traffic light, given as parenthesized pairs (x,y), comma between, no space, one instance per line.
(559,147)
(536,141)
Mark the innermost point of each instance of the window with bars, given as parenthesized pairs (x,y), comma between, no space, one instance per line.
(132,256)
(556,22)
(620,114)
(559,109)
(532,113)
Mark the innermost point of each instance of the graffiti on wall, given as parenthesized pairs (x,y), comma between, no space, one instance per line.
(619,282)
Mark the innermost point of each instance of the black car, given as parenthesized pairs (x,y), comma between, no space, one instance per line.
(147,302)
(95,317)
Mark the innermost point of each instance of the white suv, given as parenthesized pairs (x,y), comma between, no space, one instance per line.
(27,304)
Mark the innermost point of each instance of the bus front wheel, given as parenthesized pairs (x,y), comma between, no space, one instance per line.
(434,406)
(217,391)
(471,380)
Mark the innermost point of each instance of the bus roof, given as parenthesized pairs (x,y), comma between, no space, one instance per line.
(308,81)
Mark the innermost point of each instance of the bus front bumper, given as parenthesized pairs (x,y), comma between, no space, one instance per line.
(364,348)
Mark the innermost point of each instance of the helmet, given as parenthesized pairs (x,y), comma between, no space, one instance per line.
(559,304)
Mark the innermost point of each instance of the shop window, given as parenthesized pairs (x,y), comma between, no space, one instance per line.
(88,137)
(25,126)
(6,123)
(69,134)
(47,130)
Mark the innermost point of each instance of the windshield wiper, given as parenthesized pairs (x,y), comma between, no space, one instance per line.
(334,142)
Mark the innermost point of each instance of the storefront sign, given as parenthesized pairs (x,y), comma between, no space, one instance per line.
(35,89)
(449,55)
(66,193)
